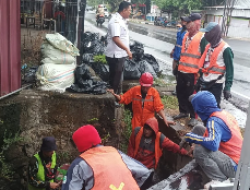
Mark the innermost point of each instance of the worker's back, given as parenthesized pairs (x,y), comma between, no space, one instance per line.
(109,169)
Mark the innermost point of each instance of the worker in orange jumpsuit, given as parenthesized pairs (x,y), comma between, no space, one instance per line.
(145,101)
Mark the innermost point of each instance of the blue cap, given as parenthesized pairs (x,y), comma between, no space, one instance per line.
(209,27)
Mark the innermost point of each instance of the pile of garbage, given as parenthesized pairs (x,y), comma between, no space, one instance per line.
(58,71)
(58,63)
(86,83)
(133,69)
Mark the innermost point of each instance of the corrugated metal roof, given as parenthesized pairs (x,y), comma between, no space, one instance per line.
(242,4)
(10,46)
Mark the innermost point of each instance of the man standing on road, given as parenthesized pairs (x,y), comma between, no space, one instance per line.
(217,146)
(216,60)
(193,45)
(118,45)
(176,52)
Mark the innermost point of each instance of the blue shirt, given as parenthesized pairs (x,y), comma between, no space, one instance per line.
(179,39)
(218,132)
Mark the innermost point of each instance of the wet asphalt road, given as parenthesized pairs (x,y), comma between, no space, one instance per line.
(156,42)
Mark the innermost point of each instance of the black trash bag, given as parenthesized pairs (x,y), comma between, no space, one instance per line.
(98,49)
(104,40)
(102,70)
(138,53)
(135,44)
(131,70)
(90,87)
(89,41)
(152,61)
(146,67)
(92,44)
(87,57)
(29,75)
(84,83)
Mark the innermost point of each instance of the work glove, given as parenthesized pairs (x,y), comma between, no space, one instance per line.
(227,94)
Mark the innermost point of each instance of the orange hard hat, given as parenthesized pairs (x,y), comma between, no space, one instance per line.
(146,79)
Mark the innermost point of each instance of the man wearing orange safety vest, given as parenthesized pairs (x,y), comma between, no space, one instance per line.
(146,144)
(218,145)
(217,64)
(145,101)
(193,46)
(102,167)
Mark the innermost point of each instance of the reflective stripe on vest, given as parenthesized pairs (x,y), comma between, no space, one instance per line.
(213,66)
(189,60)
(188,65)
(41,172)
(158,151)
(191,55)
(110,172)
(232,147)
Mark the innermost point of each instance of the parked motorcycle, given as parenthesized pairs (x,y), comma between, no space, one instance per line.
(100,20)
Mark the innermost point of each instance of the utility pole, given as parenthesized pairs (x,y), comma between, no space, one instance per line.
(81,8)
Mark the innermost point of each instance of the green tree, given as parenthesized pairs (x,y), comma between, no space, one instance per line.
(178,7)
(185,6)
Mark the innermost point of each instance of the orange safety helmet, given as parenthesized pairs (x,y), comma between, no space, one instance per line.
(146,79)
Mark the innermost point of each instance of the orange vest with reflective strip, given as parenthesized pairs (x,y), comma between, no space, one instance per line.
(232,148)
(110,172)
(141,115)
(213,66)
(189,61)
(158,151)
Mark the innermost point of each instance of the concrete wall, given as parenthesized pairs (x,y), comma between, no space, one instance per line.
(36,114)
(239,28)
(240,21)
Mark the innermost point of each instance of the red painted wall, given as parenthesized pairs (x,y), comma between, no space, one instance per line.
(10,46)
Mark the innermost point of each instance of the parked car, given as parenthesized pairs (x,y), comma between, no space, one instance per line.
(171,23)
(160,21)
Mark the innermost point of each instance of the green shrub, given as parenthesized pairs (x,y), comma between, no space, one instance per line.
(127,117)
(100,59)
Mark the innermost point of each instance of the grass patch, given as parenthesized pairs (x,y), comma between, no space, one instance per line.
(127,117)
(160,82)
(170,102)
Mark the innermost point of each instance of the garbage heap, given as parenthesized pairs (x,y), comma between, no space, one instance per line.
(94,49)
(59,72)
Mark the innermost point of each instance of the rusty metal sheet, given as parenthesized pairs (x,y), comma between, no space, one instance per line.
(10,46)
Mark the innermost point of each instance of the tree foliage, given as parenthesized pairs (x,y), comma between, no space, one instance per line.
(185,6)
(112,5)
